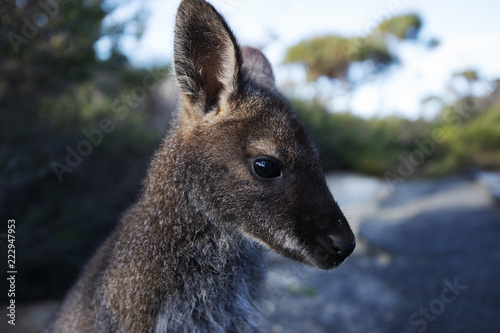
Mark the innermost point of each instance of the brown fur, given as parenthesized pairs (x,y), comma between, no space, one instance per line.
(187,256)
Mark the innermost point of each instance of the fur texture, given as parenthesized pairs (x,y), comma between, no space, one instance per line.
(188,256)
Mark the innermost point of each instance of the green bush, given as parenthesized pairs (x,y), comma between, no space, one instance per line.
(461,137)
(349,142)
(61,219)
(472,140)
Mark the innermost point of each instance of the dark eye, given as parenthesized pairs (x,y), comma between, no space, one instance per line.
(266,168)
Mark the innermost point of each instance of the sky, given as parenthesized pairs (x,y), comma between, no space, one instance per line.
(468,31)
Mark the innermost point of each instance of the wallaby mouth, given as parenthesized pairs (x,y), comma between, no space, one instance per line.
(323,230)
(327,244)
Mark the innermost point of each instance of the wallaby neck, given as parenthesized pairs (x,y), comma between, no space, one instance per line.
(214,273)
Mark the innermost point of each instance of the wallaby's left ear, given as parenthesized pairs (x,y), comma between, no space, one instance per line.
(207,58)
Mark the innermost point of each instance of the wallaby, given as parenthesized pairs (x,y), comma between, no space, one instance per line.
(236,173)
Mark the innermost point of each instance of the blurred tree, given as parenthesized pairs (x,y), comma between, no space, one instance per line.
(350,142)
(470,128)
(333,56)
(45,45)
(54,96)
(402,27)
(464,133)
(462,84)
(430,106)
(470,75)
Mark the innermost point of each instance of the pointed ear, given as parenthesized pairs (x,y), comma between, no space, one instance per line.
(207,57)
(257,67)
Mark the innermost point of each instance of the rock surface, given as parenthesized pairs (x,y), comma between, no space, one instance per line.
(428,261)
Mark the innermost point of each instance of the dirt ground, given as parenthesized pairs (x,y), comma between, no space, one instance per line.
(427,260)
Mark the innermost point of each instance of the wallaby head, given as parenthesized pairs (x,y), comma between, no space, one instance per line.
(250,164)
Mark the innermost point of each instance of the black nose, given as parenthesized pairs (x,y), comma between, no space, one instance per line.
(332,251)
(341,247)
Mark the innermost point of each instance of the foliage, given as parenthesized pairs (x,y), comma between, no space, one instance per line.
(52,47)
(402,27)
(332,55)
(379,145)
(470,75)
(471,133)
(52,90)
(349,142)
(465,133)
